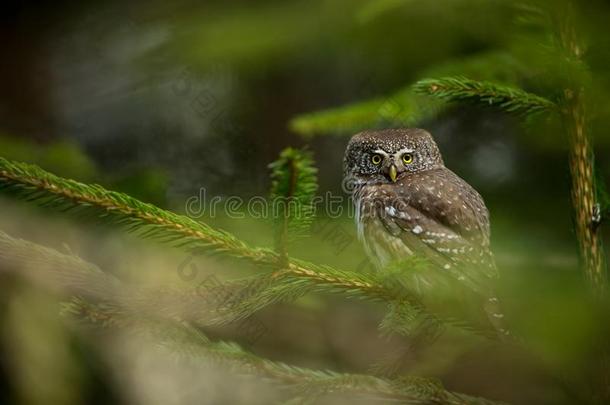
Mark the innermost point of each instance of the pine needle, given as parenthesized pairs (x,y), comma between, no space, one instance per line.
(294,184)
(293,279)
(486,94)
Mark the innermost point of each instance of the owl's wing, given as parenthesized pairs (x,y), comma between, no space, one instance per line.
(442,218)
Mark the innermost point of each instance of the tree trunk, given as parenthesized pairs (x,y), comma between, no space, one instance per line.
(583,191)
(584,195)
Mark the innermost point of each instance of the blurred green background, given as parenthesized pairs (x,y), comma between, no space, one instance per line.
(160,99)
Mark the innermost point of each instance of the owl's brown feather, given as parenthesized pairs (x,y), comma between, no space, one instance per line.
(435,215)
(408,203)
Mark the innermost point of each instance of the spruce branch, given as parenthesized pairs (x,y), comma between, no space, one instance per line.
(585,190)
(293,279)
(119,306)
(214,305)
(404,106)
(508,99)
(31,183)
(293,187)
(191,345)
(61,272)
(121,311)
(289,284)
(339,120)
(408,310)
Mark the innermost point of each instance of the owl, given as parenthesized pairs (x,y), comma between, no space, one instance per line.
(408,203)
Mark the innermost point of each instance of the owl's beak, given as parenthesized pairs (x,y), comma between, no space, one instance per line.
(393,173)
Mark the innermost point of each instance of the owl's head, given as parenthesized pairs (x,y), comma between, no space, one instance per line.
(387,155)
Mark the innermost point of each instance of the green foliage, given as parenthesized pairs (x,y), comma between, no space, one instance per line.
(403,107)
(31,183)
(294,185)
(62,157)
(347,119)
(487,94)
(489,79)
(373,9)
(247,37)
(293,279)
(191,345)
(59,271)
(149,184)
(400,319)
(110,305)
(406,107)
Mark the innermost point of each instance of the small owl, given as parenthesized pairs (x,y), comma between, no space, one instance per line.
(408,203)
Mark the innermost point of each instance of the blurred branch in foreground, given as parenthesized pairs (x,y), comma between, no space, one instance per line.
(75,276)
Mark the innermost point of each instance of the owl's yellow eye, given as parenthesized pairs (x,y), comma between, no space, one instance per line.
(407,158)
(376,159)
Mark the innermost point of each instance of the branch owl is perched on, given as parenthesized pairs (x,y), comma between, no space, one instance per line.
(409,203)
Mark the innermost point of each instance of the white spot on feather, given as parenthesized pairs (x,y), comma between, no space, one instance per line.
(404,215)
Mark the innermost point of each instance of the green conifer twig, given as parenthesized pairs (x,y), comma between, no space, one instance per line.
(508,99)
(406,107)
(294,279)
(33,184)
(55,270)
(293,188)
